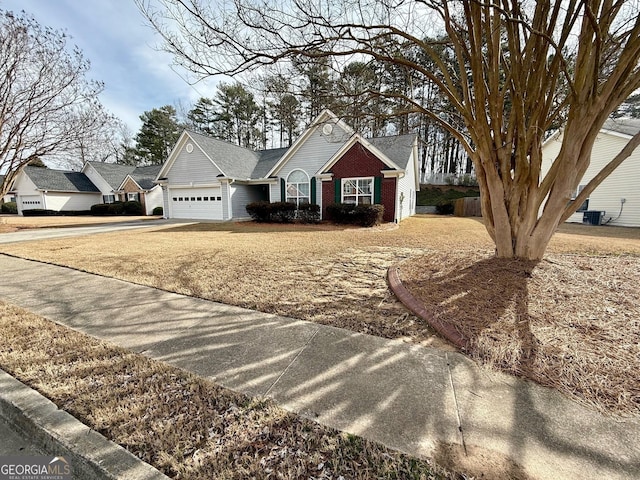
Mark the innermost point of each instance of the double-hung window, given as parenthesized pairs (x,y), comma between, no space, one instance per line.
(357,190)
(298,187)
(133,197)
(108,199)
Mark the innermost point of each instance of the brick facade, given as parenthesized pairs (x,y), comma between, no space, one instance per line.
(132,187)
(359,162)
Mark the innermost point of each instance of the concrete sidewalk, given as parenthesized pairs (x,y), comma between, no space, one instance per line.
(409,397)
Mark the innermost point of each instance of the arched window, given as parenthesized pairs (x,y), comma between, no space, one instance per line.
(298,187)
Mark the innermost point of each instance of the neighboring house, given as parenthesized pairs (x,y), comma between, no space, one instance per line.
(126,183)
(616,201)
(205,178)
(10,196)
(59,190)
(45,188)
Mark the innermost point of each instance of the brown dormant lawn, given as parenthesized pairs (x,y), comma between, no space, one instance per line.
(571,322)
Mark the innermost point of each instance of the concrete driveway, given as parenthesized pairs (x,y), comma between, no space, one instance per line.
(31,234)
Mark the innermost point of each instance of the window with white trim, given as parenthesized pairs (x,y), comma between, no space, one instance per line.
(357,190)
(133,197)
(585,205)
(298,187)
(108,198)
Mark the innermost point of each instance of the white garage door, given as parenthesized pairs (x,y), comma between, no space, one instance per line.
(199,203)
(29,202)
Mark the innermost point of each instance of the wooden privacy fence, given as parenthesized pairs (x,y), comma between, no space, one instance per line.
(467,207)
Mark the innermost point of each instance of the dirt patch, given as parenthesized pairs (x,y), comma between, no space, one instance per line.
(571,322)
(184,425)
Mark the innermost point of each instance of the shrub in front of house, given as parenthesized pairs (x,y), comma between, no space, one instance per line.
(341,213)
(158,211)
(132,208)
(308,213)
(445,208)
(283,212)
(9,207)
(39,212)
(259,211)
(100,209)
(350,214)
(116,208)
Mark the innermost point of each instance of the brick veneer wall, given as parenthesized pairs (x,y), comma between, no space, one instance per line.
(131,187)
(359,162)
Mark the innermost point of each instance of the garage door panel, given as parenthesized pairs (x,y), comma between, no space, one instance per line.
(196,203)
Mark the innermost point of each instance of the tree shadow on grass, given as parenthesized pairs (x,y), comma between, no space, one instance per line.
(487,303)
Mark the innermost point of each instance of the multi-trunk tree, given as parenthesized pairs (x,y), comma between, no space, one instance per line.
(513,69)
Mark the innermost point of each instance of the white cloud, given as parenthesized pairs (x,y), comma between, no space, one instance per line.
(114,37)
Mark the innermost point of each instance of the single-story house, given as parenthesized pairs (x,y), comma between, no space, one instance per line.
(206,178)
(126,183)
(616,201)
(60,190)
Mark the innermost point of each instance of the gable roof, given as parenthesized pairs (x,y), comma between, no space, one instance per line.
(267,160)
(59,180)
(326,116)
(145,176)
(112,173)
(240,163)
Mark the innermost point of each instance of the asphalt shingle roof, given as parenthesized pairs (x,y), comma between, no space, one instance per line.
(244,164)
(267,160)
(397,148)
(60,180)
(144,176)
(113,173)
(232,160)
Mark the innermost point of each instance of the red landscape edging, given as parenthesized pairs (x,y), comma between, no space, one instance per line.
(417,307)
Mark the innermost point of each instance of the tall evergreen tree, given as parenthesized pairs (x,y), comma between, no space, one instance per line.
(238,115)
(202,117)
(157,136)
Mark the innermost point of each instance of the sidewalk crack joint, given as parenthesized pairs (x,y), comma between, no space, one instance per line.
(282,374)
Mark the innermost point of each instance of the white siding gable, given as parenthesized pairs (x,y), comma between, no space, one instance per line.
(311,156)
(192,168)
(624,182)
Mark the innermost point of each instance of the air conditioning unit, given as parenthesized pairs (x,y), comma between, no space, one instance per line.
(592,217)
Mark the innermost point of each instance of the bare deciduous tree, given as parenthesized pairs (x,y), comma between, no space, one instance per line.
(47,106)
(510,70)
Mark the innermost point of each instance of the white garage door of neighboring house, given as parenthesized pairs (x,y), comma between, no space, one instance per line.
(29,202)
(198,203)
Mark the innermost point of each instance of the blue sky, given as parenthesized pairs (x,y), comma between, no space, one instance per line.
(113,35)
